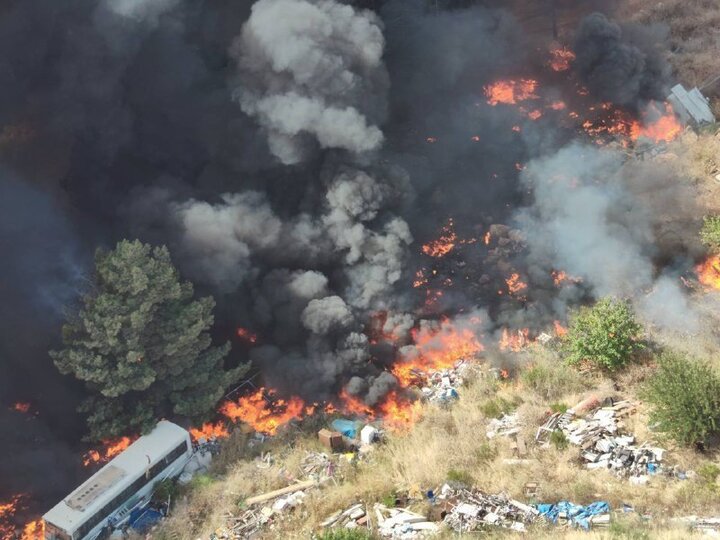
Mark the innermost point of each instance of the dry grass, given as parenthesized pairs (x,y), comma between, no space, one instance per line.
(694,36)
(452,440)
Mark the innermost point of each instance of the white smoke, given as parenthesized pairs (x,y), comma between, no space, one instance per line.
(145,10)
(312,74)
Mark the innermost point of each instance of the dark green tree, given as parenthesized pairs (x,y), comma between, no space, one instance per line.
(141,344)
(605,334)
(685,397)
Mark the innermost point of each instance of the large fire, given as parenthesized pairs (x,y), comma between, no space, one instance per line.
(111,448)
(510,92)
(708,272)
(437,348)
(34,530)
(261,412)
(514,340)
(209,431)
(658,125)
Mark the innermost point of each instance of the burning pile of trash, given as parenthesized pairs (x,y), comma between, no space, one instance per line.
(603,443)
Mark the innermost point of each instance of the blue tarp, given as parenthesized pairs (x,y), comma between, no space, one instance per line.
(576,514)
(346,427)
(141,519)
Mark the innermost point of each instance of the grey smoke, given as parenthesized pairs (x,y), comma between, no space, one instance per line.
(326,314)
(311,73)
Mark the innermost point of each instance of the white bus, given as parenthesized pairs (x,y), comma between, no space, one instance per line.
(107,498)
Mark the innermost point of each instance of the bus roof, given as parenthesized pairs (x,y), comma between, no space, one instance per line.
(115,476)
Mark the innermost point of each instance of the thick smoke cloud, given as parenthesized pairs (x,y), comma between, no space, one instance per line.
(599,220)
(621,66)
(312,75)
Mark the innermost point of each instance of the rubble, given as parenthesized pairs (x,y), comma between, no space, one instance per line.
(602,441)
(393,523)
(506,426)
(442,386)
(471,510)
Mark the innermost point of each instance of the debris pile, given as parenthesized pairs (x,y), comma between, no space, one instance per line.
(394,523)
(471,510)
(564,512)
(603,444)
(442,386)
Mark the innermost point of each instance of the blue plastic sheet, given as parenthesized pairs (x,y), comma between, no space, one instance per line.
(142,519)
(576,514)
(346,427)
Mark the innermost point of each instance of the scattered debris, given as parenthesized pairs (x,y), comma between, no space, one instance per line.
(506,426)
(394,523)
(442,386)
(602,442)
(471,510)
(332,440)
(595,514)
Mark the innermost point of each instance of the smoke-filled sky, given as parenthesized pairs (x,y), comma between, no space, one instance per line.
(293,154)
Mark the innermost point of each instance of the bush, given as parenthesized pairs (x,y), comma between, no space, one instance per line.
(559,440)
(459,477)
(685,399)
(710,232)
(495,408)
(486,452)
(708,472)
(606,334)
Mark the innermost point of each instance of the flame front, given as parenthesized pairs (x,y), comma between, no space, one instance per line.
(514,341)
(263,415)
(435,349)
(111,448)
(708,272)
(658,126)
(35,530)
(514,284)
(210,431)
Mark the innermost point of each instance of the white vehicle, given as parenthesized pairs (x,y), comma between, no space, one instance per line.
(107,498)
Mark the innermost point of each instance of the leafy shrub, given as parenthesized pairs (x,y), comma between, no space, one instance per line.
(710,232)
(559,440)
(685,398)
(460,477)
(605,334)
(496,407)
(558,407)
(708,472)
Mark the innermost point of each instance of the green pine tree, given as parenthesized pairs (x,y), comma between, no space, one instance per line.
(140,342)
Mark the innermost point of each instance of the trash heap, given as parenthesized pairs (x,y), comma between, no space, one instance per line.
(567,513)
(471,510)
(393,523)
(442,386)
(602,442)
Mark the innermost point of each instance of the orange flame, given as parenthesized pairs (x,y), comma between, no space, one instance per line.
(708,272)
(561,58)
(659,126)
(558,105)
(534,115)
(560,330)
(35,530)
(444,244)
(560,277)
(112,447)
(353,405)
(264,416)
(399,414)
(487,238)
(511,91)
(514,341)
(209,431)
(514,284)
(437,348)
(246,335)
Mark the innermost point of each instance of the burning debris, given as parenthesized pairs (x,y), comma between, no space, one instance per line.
(110,449)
